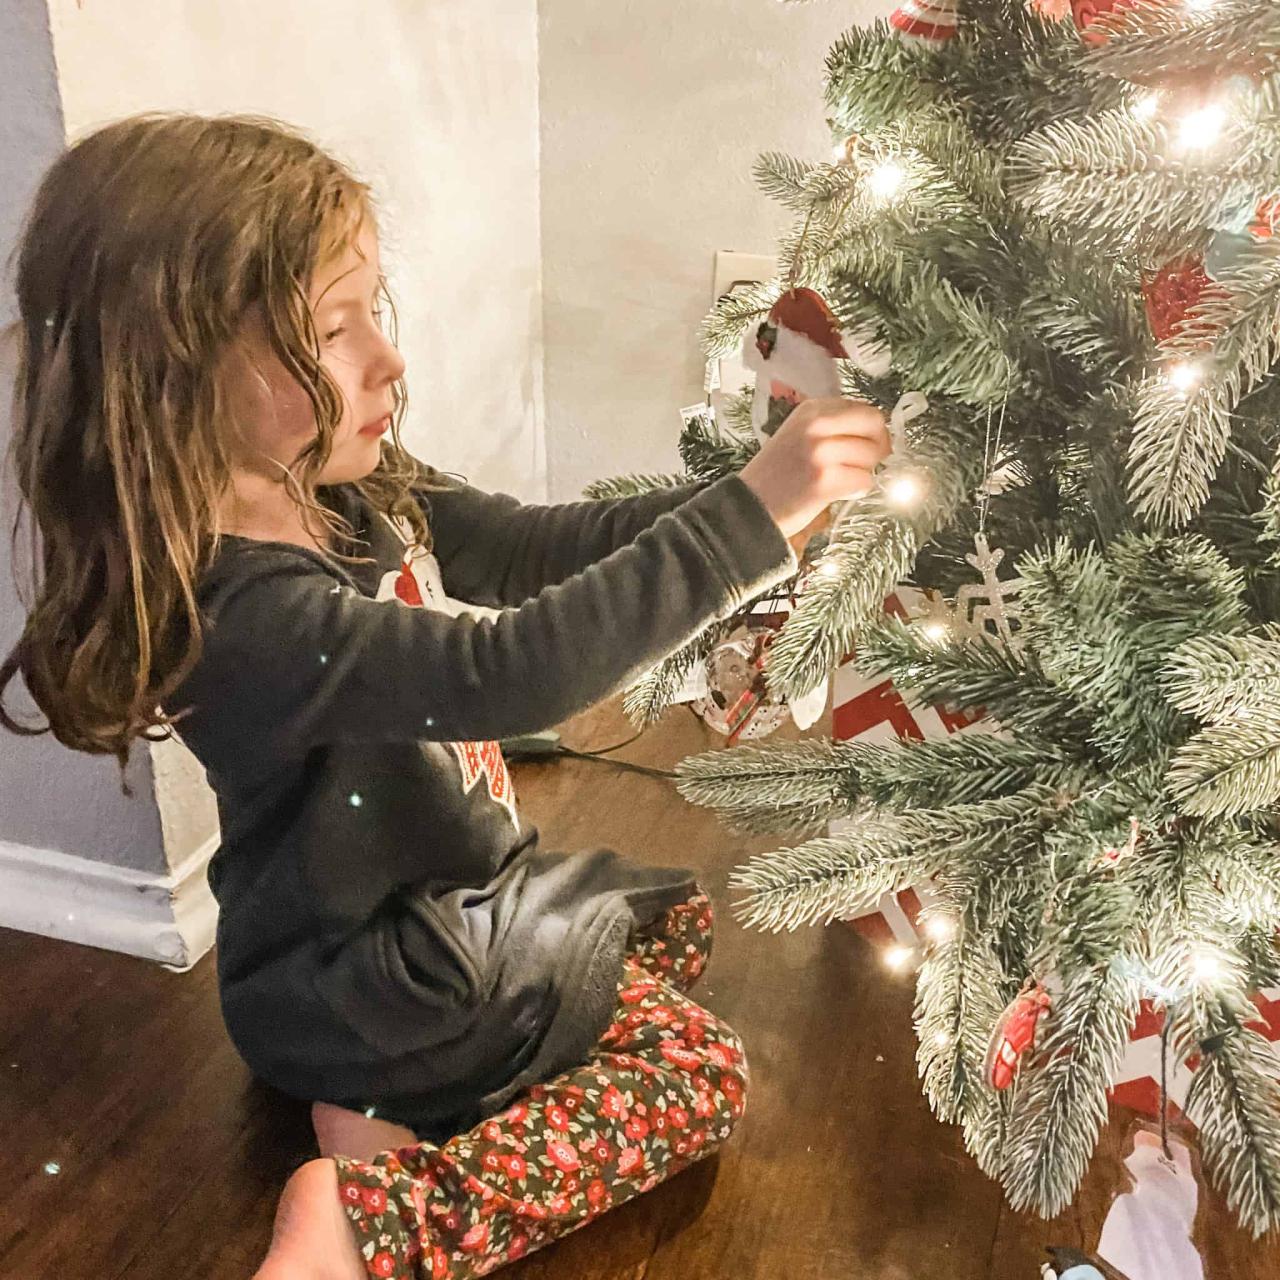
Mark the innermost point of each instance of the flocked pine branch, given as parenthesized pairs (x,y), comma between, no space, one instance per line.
(842,875)
(631,485)
(1154,43)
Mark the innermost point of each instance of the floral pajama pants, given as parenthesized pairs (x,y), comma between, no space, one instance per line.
(663,1087)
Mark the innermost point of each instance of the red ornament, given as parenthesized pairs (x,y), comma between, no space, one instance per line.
(926,22)
(1087,12)
(1015,1034)
(1172,292)
(1266,218)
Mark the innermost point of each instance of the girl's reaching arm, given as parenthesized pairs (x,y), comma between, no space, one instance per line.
(494,550)
(294,658)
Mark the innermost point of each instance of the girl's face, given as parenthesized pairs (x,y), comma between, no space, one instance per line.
(272,412)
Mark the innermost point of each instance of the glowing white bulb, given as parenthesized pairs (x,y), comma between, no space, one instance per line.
(942,1039)
(839,152)
(827,569)
(355,800)
(903,491)
(940,928)
(935,630)
(1205,965)
(1200,6)
(1147,106)
(1201,128)
(897,957)
(886,179)
(1183,377)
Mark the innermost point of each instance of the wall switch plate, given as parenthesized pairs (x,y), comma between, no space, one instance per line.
(733,270)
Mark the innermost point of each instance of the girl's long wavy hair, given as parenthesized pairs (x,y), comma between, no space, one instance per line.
(144,246)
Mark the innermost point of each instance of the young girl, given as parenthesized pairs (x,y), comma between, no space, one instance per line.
(234,540)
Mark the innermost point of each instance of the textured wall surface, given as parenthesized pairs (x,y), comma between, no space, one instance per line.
(653,112)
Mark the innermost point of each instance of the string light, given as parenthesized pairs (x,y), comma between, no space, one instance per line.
(355,800)
(1205,965)
(942,1039)
(903,491)
(1201,128)
(827,569)
(886,179)
(935,630)
(1183,377)
(1200,6)
(1147,106)
(940,928)
(896,958)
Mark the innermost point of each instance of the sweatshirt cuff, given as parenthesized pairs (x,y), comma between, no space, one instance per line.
(743,540)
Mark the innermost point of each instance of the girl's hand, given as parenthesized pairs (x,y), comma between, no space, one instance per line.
(819,524)
(827,450)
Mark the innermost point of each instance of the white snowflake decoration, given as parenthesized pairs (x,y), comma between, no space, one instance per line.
(993,600)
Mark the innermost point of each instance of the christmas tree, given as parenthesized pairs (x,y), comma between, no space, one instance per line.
(1056,220)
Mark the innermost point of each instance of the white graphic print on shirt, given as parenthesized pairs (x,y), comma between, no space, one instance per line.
(418,585)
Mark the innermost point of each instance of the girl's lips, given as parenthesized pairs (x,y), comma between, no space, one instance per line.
(376,428)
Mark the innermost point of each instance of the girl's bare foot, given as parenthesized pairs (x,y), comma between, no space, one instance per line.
(340,1132)
(312,1239)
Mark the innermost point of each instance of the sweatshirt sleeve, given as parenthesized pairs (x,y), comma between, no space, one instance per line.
(296,658)
(494,550)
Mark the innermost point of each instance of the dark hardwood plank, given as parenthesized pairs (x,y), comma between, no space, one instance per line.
(173,1156)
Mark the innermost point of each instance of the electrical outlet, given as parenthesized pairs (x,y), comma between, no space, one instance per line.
(732,271)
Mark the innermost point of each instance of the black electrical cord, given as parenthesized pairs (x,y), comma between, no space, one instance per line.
(525,749)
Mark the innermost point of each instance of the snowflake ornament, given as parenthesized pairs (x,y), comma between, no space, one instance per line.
(993,600)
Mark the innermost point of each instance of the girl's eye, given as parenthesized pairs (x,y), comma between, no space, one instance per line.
(329,337)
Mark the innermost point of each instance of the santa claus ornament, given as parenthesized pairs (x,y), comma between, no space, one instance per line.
(793,353)
(926,23)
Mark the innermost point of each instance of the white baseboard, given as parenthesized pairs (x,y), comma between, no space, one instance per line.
(171,918)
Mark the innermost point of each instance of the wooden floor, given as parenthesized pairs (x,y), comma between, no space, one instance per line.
(172,1156)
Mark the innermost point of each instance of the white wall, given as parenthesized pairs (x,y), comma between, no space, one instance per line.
(436,104)
(652,114)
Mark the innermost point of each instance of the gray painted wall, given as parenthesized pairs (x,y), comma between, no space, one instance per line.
(653,112)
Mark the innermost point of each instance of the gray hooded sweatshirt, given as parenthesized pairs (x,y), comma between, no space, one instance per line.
(390,932)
